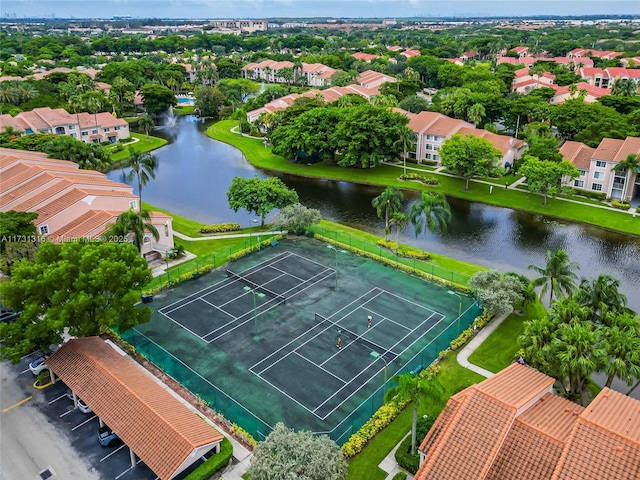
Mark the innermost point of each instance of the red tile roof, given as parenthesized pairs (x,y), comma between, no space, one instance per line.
(577,153)
(153,423)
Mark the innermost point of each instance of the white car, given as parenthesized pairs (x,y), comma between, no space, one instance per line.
(83,407)
(38,365)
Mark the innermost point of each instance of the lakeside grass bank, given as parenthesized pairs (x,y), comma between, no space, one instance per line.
(387,175)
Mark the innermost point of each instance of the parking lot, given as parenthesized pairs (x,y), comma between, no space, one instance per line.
(70,425)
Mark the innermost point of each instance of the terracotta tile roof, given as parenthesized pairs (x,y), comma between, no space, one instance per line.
(529,383)
(43,196)
(48,209)
(90,224)
(577,153)
(366,57)
(503,143)
(608,149)
(161,431)
(7,197)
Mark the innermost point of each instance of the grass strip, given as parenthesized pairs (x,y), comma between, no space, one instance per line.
(385,175)
(142,145)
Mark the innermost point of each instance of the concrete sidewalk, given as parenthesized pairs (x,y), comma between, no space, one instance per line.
(463,355)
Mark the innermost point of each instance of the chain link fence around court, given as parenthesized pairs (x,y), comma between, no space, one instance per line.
(376,251)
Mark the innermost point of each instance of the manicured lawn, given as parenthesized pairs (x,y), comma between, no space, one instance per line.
(387,175)
(187,227)
(142,145)
(365,466)
(500,348)
(184,110)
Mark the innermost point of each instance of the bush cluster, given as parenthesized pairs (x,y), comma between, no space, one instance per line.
(420,178)
(213,463)
(404,251)
(589,194)
(403,455)
(400,476)
(431,163)
(620,205)
(220,227)
(462,339)
(482,320)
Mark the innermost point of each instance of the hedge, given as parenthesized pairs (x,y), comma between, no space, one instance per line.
(403,455)
(220,227)
(213,463)
(420,178)
(404,251)
(620,205)
(400,476)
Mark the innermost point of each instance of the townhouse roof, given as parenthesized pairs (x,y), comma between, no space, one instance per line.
(591,90)
(411,53)
(46,118)
(366,57)
(373,79)
(590,71)
(520,49)
(159,429)
(512,427)
(89,225)
(577,153)
(614,150)
(503,143)
(394,48)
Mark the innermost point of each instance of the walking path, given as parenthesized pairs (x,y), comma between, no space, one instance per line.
(182,236)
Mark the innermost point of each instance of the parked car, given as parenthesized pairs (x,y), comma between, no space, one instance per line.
(39,364)
(83,407)
(107,437)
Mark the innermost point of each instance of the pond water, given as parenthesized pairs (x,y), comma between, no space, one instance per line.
(194,173)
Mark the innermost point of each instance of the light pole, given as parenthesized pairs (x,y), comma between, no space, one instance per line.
(376,356)
(336,250)
(254,221)
(255,318)
(451,292)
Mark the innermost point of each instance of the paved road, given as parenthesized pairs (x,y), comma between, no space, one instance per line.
(29,444)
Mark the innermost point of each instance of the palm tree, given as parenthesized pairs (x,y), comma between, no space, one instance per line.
(401,222)
(136,223)
(600,295)
(406,140)
(631,165)
(146,123)
(143,166)
(557,275)
(388,202)
(622,341)
(417,390)
(431,213)
(624,88)
(476,113)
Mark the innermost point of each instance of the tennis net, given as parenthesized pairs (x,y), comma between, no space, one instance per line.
(259,288)
(387,354)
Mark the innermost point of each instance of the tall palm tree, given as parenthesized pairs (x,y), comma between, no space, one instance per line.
(557,275)
(476,113)
(624,88)
(417,390)
(143,166)
(136,223)
(600,295)
(406,140)
(388,202)
(631,165)
(431,213)
(401,222)
(622,341)
(146,123)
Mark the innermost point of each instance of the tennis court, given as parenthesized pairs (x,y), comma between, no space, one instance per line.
(284,335)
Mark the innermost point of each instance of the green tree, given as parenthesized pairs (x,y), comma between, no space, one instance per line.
(286,454)
(208,101)
(143,168)
(296,217)
(416,390)
(135,223)
(401,222)
(18,238)
(621,339)
(544,148)
(89,156)
(600,295)
(624,88)
(469,156)
(157,98)
(407,140)
(499,292)
(557,276)
(546,177)
(387,203)
(82,288)
(147,124)
(431,213)
(259,196)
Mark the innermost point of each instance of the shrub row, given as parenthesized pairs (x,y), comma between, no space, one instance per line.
(403,455)
(620,205)
(404,251)
(431,163)
(213,463)
(420,178)
(220,227)
(589,194)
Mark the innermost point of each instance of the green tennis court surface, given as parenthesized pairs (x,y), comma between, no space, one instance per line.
(284,335)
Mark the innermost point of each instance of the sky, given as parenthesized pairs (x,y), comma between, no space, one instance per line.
(311,8)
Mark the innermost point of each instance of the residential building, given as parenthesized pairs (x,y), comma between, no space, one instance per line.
(585,52)
(365,57)
(88,127)
(388,22)
(511,426)
(596,167)
(521,50)
(407,52)
(373,79)
(591,93)
(524,81)
(314,74)
(71,203)
(241,25)
(432,129)
(606,78)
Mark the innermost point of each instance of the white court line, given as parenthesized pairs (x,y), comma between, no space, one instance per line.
(320,367)
(112,453)
(380,317)
(130,468)
(83,423)
(56,399)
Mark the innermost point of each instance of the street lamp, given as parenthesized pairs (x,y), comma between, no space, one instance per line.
(336,250)
(376,356)
(255,318)
(451,292)
(254,221)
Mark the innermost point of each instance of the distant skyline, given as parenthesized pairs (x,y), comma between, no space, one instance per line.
(312,8)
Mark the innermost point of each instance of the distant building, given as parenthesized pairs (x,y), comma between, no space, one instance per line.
(389,22)
(242,25)
(314,74)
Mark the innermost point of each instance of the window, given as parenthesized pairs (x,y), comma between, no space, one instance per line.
(598,175)
(429,137)
(44,229)
(429,146)
(578,183)
(427,156)
(94,132)
(72,127)
(436,157)
(106,129)
(132,204)
(596,186)
(84,134)
(601,164)
(582,172)
(117,128)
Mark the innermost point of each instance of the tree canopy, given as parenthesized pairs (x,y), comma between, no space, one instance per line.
(85,287)
(546,177)
(259,196)
(469,156)
(157,98)
(296,217)
(286,454)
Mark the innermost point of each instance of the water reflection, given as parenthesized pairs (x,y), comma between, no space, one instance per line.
(196,172)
